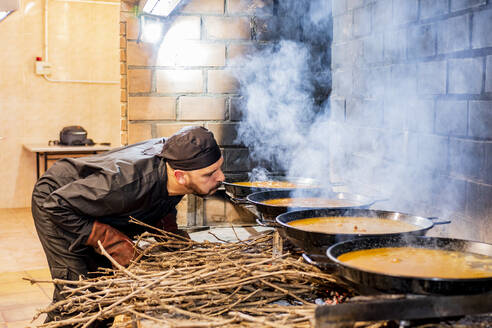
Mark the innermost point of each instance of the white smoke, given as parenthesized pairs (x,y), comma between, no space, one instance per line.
(381,148)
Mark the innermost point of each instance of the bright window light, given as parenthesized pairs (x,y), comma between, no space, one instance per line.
(4,14)
(160,7)
(151,30)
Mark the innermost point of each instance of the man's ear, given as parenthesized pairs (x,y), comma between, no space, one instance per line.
(180,176)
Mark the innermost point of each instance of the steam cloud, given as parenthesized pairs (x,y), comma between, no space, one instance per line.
(374,152)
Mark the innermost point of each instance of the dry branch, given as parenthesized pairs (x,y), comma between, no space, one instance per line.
(183,283)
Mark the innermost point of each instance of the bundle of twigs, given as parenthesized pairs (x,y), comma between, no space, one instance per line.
(176,282)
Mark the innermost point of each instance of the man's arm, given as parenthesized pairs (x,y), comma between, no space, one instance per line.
(75,206)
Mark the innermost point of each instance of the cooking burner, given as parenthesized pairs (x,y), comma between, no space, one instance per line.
(403,308)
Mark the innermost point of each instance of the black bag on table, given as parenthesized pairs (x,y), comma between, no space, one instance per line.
(75,135)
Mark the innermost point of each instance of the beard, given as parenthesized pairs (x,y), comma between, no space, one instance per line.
(198,192)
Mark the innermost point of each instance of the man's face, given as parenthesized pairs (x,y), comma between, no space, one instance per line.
(206,181)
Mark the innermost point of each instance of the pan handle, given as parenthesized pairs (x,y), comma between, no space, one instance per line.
(321,262)
(260,222)
(239,201)
(432,218)
(377,201)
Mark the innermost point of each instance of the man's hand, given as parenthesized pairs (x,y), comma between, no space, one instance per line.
(182,233)
(116,243)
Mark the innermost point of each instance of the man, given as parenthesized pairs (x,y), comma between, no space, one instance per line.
(80,201)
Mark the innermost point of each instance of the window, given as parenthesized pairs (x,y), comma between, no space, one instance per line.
(4,14)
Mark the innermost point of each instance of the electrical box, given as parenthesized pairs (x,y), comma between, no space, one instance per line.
(43,68)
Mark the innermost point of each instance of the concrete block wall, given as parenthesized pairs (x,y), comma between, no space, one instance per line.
(416,76)
(184,81)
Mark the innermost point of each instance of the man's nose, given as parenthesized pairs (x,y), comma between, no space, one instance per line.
(221,176)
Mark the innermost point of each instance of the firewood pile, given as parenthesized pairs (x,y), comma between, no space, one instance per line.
(177,282)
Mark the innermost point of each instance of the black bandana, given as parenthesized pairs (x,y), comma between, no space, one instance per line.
(191,148)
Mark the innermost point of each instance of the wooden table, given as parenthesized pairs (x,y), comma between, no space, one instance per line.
(60,151)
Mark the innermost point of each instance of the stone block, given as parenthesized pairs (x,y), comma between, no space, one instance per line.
(362,21)
(347,54)
(123,109)
(395,45)
(364,112)
(433,152)
(488,74)
(404,79)
(339,7)
(221,81)
(481,36)
(238,214)
(420,114)
(373,48)
(449,195)
(338,55)
(342,82)
(201,108)
(487,172)
(185,28)
(204,7)
(237,160)
(214,210)
(140,54)
(123,81)
(139,80)
(451,117)
(394,146)
(227,28)
(480,121)
(465,75)
(251,7)
(225,133)
(168,129)
(179,81)
(465,4)
(405,11)
(122,42)
(478,198)
(139,132)
(235,52)
(127,5)
(123,124)
(152,108)
(124,138)
(382,14)
(182,209)
(395,114)
(185,53)
(466,158)
(337,109)
(122,55)
(352,4)
(372,82)
(123,95)
(431,77)
(421,41)
(122,68)
(270,28)
(453,34)
(235,108)
(342,27)
(432,8)
(132,28)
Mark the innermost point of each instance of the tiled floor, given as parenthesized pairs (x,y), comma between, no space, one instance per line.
(21,256)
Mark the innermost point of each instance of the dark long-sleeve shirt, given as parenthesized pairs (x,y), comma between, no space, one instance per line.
(109,187)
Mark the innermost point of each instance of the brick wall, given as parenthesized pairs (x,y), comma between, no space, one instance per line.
(184,81)
(413,78)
